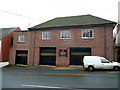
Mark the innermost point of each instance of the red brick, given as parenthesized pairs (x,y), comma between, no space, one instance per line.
(34,42)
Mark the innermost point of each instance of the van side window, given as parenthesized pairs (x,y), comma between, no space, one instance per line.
(105,61)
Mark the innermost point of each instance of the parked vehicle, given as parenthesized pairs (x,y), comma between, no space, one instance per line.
(96,62)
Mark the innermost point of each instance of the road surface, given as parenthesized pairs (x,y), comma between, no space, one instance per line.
(58,79)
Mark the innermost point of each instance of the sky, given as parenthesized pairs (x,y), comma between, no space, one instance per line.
(119,11)
(28,13)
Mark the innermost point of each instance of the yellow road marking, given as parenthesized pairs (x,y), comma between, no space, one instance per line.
(61,74)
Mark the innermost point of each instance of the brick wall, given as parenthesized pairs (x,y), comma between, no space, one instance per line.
(20,46)
(6,44)
(99,46)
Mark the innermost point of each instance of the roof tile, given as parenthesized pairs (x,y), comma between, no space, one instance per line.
(82,20)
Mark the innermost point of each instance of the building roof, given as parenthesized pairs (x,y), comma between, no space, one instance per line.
(73,21)
(6,31)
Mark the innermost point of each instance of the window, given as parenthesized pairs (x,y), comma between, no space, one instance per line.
(65,34)
(21,38)
(45,35)
(105,61)
(87,33)
(63,52)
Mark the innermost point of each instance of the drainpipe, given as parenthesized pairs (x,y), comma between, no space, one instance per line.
(34,47)
(105,41)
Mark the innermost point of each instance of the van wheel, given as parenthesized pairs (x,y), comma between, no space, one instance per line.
(91,68)
(116,68)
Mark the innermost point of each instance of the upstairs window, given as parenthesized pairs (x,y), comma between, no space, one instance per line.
(65,34)
(21,38)
(45,35)
(87,33)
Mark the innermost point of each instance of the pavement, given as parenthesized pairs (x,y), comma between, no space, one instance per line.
(71,67)
(53,70)
(3,64)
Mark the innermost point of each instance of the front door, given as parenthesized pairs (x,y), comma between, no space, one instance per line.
(118,56)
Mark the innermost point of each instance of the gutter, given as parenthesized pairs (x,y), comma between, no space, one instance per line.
(105,42)
(34,46)
(71,26)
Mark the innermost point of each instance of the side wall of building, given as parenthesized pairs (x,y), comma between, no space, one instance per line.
(6,44)
(117,45)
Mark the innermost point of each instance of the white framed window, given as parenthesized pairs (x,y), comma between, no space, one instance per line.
(66,34)
(21,38)
(87,33)
(45,35)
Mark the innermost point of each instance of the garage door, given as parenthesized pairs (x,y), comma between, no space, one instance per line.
(21,57)
(48,56)
(77,54)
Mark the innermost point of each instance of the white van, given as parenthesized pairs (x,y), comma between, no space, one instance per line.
(96,62)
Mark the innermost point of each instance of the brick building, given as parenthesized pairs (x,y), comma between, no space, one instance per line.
(63,41)
(117,44)
(6,38)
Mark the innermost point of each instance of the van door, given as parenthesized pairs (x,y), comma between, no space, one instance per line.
(106,64)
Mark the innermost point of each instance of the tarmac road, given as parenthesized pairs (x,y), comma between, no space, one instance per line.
(20,77)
